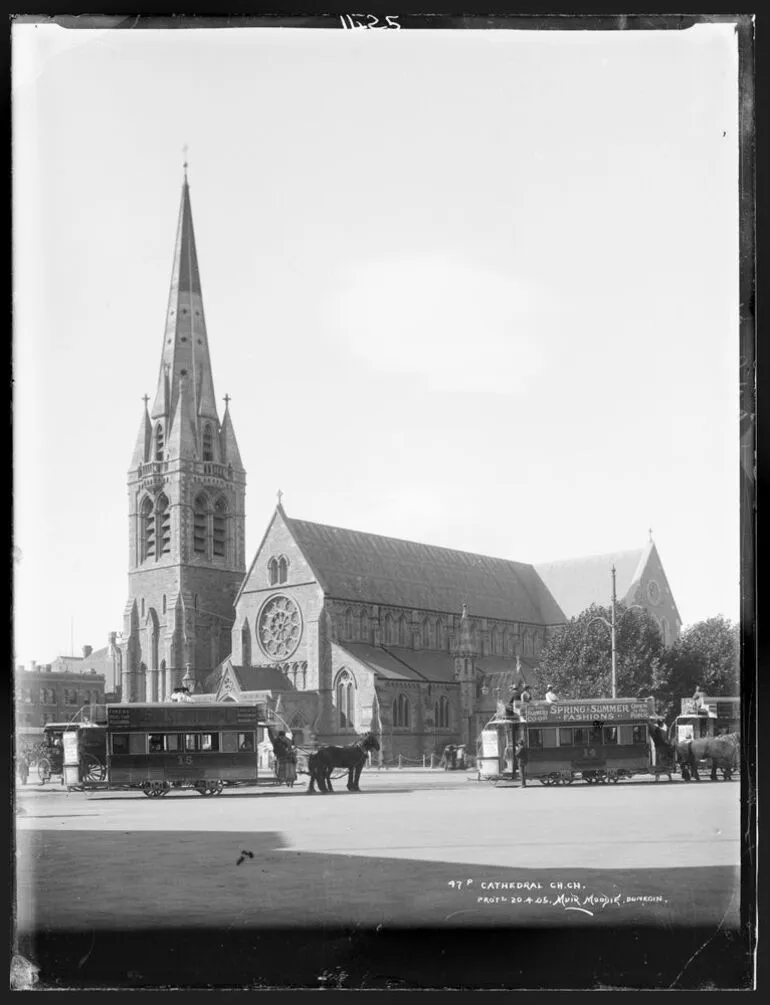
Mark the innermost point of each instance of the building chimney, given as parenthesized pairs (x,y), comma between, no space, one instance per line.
(33,665)
(87,650)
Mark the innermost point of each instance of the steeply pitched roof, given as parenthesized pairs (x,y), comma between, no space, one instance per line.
(398,663)
(351,565)
(266,678)
(579,582)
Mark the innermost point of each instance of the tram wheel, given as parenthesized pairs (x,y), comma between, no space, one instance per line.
(218,787)
(154,790)
(544,780)
(44,769)
(614,779)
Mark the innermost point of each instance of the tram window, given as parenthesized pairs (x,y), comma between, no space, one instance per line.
(565,737)
(610,734)
(120,743)
(208,742)
(245,741)
(549,737)
(137,743)
(173,741)
(535,738)
(581,736)
(639,734)
(156,743)
(230,741)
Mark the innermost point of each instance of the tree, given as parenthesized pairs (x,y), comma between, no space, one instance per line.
(706,655)
(577,661)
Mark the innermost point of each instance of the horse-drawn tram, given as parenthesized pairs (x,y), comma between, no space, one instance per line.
(599,740)
(159,747)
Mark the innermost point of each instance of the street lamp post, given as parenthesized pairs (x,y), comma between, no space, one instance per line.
(612,625)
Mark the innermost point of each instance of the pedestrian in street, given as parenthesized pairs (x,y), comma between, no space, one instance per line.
(522,758)
(24,769)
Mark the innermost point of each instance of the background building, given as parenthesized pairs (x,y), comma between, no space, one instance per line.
(54,692)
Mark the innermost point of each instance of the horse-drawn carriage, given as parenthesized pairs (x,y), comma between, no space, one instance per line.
(707,730)
(81,745)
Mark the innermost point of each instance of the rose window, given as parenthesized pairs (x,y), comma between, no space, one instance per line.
(280,627)
(653,592)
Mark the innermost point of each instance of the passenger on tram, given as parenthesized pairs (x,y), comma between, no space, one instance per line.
(550,695)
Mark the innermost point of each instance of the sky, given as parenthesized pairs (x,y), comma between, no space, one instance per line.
(477,289)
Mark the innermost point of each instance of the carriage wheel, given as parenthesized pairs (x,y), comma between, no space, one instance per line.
(44,769)
(92,769)
(614,779)
(545,780)
(567,778)
(218,787)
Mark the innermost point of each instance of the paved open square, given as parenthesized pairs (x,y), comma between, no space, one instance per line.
(413,850)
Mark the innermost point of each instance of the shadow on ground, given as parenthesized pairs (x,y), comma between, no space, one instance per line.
(180,909)
(346,958)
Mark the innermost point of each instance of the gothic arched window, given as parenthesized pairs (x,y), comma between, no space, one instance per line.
(442,712)
(401,712)
(494,640)
(208,443)
(272,571)
(164,525)
(200,520)
(283,569)
(403,630)
(427,634)
(220,528)
(148,530)
(390,629)
(345,699)
(439,634)
(363,627)
(159,442)
(246,644)
(348,629)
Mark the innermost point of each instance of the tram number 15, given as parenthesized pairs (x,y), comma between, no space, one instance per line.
(183,759)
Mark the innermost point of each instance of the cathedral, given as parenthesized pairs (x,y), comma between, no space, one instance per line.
(337,631)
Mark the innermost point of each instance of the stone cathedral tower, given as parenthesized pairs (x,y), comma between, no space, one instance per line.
(186,489)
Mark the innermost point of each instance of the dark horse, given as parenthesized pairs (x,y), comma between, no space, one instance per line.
(722,751)
(321,763)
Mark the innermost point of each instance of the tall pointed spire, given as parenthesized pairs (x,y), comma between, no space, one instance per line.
(230,452)
(185,342)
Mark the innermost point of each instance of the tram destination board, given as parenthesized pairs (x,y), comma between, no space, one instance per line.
(609,710)
(182,715)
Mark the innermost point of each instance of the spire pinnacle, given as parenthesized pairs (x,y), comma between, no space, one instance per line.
(185,148)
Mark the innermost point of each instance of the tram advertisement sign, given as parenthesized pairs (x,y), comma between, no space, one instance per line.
(587,711)
(70,741)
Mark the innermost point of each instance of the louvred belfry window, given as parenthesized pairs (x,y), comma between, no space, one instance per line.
(220,528)
(200,518)
(208,443)
(164,526)
(159,442)
(148,530)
